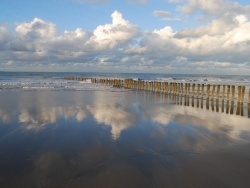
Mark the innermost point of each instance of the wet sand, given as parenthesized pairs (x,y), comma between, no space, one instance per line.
(118,139)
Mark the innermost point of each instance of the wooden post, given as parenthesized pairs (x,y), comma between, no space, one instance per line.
(239,94)
(233,93)
(213,89)
(228,92)
(208,91)
(147,85)
(223,92)
(218,92)
(217,98)
(242,94)
(179,88)
(182,90)
(202,90)
(167,87)
(198,90)
(193,87)
(232,100)
(189,88)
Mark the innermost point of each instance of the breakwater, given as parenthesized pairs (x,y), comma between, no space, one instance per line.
(231,99)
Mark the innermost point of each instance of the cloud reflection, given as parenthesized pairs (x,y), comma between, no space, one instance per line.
(233,126)
(116,116)
(5,116)
(37,121)
(122,115)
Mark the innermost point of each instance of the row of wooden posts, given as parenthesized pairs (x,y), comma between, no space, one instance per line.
(186,90)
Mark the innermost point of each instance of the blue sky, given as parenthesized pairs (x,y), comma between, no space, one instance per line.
(172,36)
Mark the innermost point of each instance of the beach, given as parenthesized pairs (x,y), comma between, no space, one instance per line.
(102,136)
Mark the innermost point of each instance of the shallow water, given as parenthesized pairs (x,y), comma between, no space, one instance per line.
(116,138)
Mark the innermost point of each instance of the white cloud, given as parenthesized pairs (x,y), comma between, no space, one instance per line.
(194,5)
(37,29)
(108,36)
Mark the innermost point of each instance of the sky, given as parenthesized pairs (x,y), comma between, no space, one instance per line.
(149,36)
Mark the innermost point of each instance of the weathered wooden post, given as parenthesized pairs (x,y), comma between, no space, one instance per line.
(238,101)
(218,92)
(193,88)
(188,94)
(213,89)
(189,89)
(198,90)
(163,87)
(233,93)
(242,94)
(197,95)
(147,85)
(239,94)
(181,89)
(202,90)
(217,98)
(228,92)
(185,89)
(242,100)
(167,87)
(208,91)
(207,96)
(174,88)
(129,83)
(232,100)
(170,88)
(125,85)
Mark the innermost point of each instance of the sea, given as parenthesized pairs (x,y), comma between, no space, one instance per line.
(36,81)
